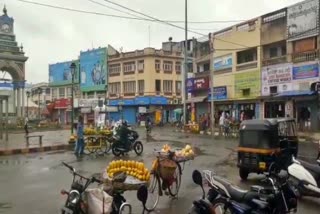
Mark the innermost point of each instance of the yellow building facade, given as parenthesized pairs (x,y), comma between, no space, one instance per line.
(145,82)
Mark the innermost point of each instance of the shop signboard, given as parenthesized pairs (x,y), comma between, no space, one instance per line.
(60,73)
(222,62)
(142,109)
(84,103)
(276,75)
(303,75)
(189,84)
(93,70)
(200,83)
(111,109)
(302,20)
(62,103)
(247,81)
(219,93)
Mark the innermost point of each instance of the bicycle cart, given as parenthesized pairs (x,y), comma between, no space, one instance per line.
(166,175)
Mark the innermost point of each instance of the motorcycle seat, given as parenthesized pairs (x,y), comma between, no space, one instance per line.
(315,168)
(237,194)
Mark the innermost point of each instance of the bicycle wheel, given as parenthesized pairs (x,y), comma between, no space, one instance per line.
(176,181)
(153,193)
(89,145)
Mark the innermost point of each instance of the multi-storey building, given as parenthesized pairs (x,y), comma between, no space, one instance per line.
(144,82)
(263,67)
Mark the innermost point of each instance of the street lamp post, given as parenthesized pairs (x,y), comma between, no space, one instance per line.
(73,71)
(39,90)
(28,96)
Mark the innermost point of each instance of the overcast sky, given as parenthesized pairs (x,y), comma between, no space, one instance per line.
(51,35)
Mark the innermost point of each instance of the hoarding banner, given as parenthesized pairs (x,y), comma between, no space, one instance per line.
(302,20)
(219,93)
(189,84)
(276,75)
(93,68)
(60,73)
(199,83)
(305,71)
(223,62)
(247,80)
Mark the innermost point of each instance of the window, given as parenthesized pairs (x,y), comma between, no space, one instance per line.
(69,92)
(283,50)
(178,87)
(115,69)
(61,92)
(157,65)
(129,67)
(206,67)
(101,94)
(247,56)
(48,91)
(90,95)
(54,93)
(273,89)
(83,95)
(140,87)
(246,92)
(114,88)
(140,66)
(178,67)
(167,66)
(273,52)
(158,86)
(167,86)
(129,87)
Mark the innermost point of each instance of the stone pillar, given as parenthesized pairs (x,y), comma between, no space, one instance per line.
(23,107)
(6,119)
(1,128)
(18,102)
(14,102)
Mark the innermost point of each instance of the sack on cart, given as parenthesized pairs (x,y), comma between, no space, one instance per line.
(99,202)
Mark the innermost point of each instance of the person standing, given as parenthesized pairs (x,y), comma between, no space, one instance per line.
(26,125)
(80,138)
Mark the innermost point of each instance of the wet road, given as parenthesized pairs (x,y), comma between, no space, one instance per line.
(32,183)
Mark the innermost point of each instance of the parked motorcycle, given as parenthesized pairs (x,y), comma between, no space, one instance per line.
(75,203)
(118,148)
(305,177)
(226,197)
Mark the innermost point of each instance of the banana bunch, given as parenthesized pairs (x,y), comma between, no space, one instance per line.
(166,148)
(89,131)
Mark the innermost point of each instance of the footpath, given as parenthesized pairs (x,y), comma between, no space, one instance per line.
(51,141)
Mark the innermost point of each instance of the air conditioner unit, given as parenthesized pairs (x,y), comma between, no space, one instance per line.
(176,101)
(171,102)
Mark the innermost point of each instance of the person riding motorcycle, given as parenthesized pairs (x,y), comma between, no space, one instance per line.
(123,132)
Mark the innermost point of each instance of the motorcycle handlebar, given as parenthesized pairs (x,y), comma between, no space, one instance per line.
(69,167)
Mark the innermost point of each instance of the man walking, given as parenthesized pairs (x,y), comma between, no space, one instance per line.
(80,141)
(26,126)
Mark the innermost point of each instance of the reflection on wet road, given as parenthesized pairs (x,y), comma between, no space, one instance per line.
(32,183)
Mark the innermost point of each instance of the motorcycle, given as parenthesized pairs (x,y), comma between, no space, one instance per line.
(118,148)
(305,177)
(75,203)
(225,197)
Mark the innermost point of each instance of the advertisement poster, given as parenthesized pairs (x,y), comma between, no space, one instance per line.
(276,75)
(305,71)
(247,80)
(60,73)
(223,62)
(194,84)
(219,93)
(93,70)
(302,20)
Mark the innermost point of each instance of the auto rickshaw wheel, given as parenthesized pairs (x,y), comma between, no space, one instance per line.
(244,173)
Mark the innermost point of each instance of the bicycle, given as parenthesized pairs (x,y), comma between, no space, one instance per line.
(161,181)
(99,144)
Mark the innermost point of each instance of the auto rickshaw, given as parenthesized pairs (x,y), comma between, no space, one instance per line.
(263,142)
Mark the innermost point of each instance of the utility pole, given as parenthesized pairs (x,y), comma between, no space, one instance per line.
(184,94)
(211,40)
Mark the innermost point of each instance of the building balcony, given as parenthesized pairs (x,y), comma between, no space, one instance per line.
(305,56)
(202,74)
(247,65)
(274,60)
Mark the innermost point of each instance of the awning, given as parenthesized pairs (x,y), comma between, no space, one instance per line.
(296,93)
(196,99)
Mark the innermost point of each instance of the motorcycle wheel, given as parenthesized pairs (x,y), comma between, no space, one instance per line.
(115,150)
(138,147)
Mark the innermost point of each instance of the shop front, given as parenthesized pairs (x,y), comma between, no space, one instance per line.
(198,89)
(87,107)
(62,113)
(247,90)
(276,79)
